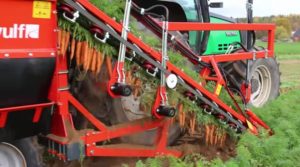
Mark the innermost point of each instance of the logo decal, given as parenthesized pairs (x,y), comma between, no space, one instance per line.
(20,31)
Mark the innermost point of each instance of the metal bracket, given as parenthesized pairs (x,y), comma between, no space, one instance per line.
(131,58)
(142,11)
(154,73)
(75,17)
(254,55)
(266,53)
(105,38)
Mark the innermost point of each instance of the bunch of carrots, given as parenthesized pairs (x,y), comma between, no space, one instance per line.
(87,57)
(135,82)
(215,136)
(182,119)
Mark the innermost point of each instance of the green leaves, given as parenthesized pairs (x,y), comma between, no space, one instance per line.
(281,149)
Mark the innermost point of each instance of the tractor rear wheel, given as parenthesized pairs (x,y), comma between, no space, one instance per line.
(265,79)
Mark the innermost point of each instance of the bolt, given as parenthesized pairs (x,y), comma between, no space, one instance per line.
(92,152)
(88,145)
(30,54)
(52,54)
(6,55)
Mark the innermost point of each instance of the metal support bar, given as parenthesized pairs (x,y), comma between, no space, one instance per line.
(122,50)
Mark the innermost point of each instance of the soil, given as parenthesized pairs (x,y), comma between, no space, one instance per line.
(187,144)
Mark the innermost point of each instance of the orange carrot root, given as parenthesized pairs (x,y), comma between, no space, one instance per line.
(73,44)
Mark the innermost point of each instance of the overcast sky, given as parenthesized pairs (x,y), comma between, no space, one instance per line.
(237,8)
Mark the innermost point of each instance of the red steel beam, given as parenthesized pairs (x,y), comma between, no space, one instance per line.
(123,130)
(26,107)
(192,26)
(129,152)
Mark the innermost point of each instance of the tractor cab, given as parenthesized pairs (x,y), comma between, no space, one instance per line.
(202,43)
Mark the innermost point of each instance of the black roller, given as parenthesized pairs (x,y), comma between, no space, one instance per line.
(121,89)
(166,111)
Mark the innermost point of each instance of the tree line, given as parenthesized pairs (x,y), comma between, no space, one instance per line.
(285,25)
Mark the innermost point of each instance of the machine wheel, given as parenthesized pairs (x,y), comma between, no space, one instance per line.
(21,153)
(265,79)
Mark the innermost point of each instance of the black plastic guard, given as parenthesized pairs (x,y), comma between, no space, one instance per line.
(25,81)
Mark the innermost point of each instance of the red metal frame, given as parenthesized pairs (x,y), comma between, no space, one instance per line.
(60,95)
(63,98)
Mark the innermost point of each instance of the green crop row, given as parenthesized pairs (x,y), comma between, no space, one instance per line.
(280,149)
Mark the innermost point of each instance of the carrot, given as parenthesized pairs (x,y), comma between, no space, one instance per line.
(180,108)
(216,139)
(84,52)
(66,42)
(212,134)
(129,79)
(78,52)
(137,85)
(94,61)
(100,59)
(89,58)
(193,123)
(207,134)
(59,36)
(183,118)
(109,66)
(223,140)
(73,44)
(62,44)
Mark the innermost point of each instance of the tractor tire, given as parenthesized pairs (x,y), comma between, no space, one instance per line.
(21,153)
(265,79)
